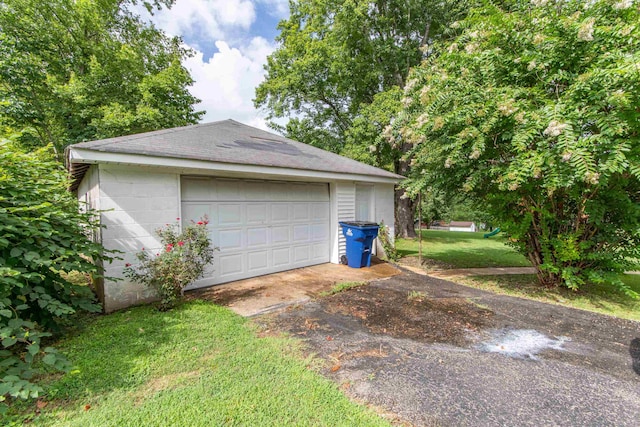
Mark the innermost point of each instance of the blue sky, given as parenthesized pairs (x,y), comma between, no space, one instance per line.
(231,40)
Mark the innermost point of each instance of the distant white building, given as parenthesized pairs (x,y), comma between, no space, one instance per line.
(468,226)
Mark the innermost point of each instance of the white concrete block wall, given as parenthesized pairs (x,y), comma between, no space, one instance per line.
(135,202)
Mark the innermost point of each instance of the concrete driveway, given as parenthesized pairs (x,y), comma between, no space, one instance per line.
(436,353)
(263,294)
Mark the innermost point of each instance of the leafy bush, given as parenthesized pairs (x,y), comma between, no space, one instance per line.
(43,237)
(389,248)
(183,260)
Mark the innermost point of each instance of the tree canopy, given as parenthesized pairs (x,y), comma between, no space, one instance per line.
(533,109)
(80,70)
(335,62)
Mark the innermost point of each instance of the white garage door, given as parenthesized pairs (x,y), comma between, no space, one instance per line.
(260,227)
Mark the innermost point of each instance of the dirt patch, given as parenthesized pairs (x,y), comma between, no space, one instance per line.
(427,263)
(224,296)
(402,315)
(166,382)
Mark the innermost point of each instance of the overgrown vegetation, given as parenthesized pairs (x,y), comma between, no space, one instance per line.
(341,287)
(389,247)
(185,256)
(196,365)
(43,237)
(532,110)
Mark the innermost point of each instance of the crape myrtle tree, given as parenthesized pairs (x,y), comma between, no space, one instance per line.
(338,75)
(534,109)
(81,70)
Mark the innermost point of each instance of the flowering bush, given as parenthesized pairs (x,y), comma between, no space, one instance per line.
(182,261)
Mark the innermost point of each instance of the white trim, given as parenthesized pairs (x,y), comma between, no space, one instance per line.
(203,167)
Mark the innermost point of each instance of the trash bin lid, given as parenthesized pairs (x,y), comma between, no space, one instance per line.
(359,223)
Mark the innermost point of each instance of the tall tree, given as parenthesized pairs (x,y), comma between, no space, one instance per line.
(334,57)
(78,70)
(534,110)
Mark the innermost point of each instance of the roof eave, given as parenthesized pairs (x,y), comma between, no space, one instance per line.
(81,156)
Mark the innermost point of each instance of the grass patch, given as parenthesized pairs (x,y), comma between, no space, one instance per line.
(416,296)
(457,249)
(196,365)
(341,287)
(601,298)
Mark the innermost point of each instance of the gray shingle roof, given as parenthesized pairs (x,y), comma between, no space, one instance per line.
(229,141)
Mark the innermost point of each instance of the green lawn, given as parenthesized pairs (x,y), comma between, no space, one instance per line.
(197,365)
(601,298)
(467,250)
(457,249)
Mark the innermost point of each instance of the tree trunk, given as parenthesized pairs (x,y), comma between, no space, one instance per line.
(405,215)
(545,277)
(404,206)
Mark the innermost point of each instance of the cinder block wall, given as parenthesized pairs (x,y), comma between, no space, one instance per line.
(135,202)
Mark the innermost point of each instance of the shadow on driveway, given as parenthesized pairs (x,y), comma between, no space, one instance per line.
(437,353)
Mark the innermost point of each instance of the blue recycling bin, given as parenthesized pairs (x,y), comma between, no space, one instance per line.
(359,236)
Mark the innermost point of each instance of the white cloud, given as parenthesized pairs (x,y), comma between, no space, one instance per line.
(210,19)
(226,82)
(278,8)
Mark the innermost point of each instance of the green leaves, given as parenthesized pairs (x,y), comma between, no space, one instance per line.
(533,111)
(185,256)
(74,71)
(45,238)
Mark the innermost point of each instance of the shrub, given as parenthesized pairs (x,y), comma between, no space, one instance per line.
(43,237)
(183,260)
(389,248)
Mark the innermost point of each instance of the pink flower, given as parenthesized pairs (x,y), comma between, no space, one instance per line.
(127,265)
(200,223)
(143,249)
(169,247)
(180,243)
(177,219)
(157,254)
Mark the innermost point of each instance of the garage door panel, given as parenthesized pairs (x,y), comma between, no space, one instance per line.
(320,232)
(256,191)
(257,260)
(230,214)
(280,213)
(194,189)
(280,234)
(281,256)
(229,189)
(319,211)
(300,212)
(301,233)
(228,240)
(278,191)
(259,227)
(318,193)
(319,251)
(301,254)
(257,213)
(257,237)
(231,264)
(195,211)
